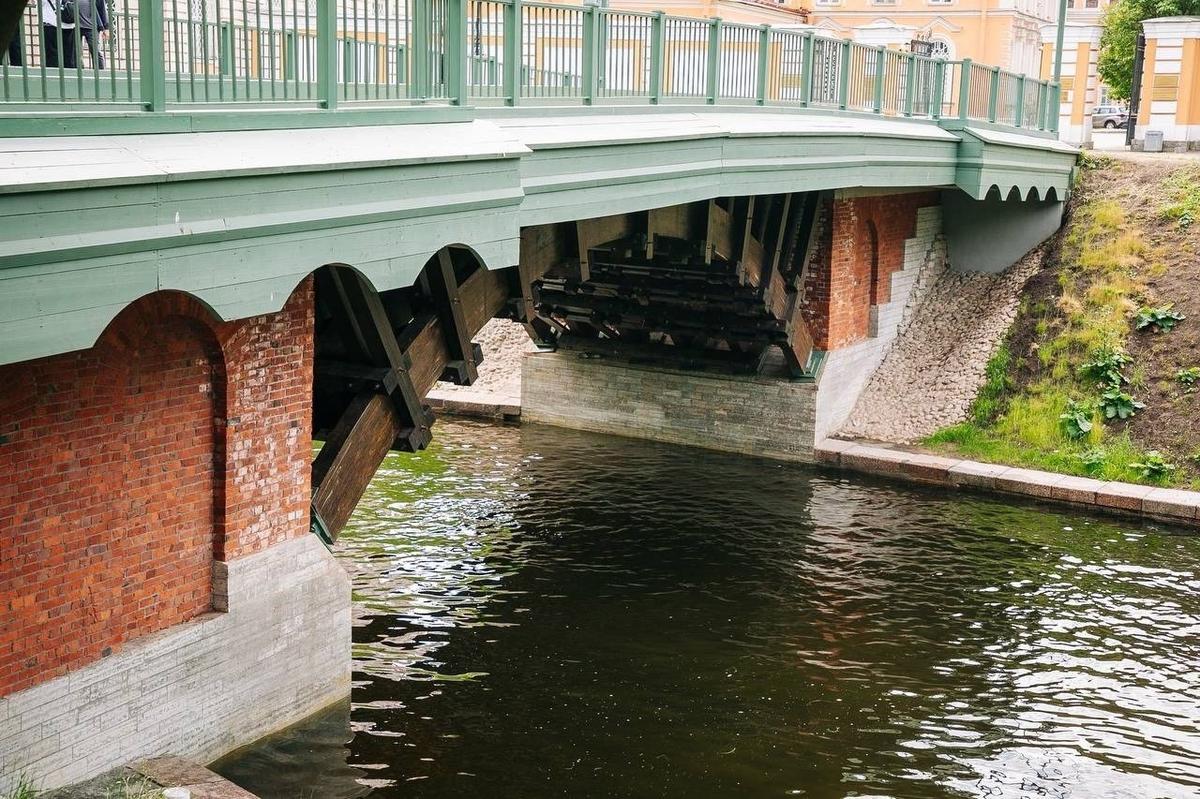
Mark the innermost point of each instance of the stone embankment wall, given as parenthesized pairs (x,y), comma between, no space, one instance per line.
(934,369)
(753,415)
(159,584)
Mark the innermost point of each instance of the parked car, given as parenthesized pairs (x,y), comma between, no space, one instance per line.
(1110,116)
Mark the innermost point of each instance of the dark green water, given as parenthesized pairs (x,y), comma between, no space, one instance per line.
(541,613)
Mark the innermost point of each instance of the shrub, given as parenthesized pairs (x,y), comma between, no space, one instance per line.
(1154,466)
(1093,458)
(1189,376)
(1077,419)
(1116,404)
(1157,320)
(1105,366)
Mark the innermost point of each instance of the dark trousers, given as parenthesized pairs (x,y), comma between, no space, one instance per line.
(92,37)
(15,57)
(50,45)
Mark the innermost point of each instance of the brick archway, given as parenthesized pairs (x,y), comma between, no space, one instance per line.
(117,454)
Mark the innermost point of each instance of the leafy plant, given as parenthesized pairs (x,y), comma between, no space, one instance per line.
(1116,404)
(1077,419)
(1189,376)
(1093,458)
(1158,320)
(1185,191)
(1154,466)
(1105,365)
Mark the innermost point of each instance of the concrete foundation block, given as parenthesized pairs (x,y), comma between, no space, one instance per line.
(752,415)
(1029,482)
(1172,504)
(201,688)
(1080,490)
(928,468)
(1124,496)
(975,475)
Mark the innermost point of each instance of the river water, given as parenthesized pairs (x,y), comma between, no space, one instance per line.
(544,613)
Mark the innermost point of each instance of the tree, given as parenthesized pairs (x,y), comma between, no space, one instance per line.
(1122,24)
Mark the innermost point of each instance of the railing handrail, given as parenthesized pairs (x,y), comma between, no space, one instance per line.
(511,51)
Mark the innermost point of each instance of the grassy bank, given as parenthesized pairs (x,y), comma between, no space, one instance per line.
(1100,373)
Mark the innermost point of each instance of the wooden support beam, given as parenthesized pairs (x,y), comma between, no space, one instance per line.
(443,284)
(600,230)
(350,456)
(676,222)
(543,247)
(718,237)
(373,423)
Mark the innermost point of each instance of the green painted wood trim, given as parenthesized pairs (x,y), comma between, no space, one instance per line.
(939,88)
(589,19)
(1019,111)
(844,75)
(456,51)
(512,52)
(993,94)
(964,89)
(910,85)
(658,46)
(152,56)
(713,73)
(764,60)
(880,66)
(327,68)
(806,70)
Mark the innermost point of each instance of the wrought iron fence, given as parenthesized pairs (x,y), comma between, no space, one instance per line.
(158,53)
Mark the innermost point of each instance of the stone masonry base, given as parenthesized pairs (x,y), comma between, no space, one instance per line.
(198,689)
(752,415)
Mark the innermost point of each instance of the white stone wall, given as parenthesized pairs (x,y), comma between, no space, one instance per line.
(752,415)
(202,688)
(848,370)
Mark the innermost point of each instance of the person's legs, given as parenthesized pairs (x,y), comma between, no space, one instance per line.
(69,48)
(95,48)
(15,57)
(50,45)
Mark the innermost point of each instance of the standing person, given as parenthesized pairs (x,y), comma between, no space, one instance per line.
(58,32)
(15,57)
(93,29)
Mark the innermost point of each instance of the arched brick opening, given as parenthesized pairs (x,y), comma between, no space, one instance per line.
(112,508)
(873,255)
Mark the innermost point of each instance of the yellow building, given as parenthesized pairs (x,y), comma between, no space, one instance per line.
(1082,90)
(1005,33)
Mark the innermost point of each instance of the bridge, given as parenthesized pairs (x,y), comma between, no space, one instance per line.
(260,225)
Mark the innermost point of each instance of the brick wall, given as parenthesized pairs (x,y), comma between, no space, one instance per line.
(129,466)
(862,241)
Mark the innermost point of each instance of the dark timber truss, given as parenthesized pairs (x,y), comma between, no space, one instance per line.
(712,285)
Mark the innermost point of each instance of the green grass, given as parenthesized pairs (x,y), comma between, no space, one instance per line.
(1102,281)
(1184,207)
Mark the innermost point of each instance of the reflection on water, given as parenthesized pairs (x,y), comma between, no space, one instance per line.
(547,613)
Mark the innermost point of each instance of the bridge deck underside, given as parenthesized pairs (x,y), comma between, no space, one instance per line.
(710,285)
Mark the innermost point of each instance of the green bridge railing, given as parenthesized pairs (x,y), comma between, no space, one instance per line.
(160,54)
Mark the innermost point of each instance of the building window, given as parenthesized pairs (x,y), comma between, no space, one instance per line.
(940,48)
(883,2)
(940,2)
(829,2)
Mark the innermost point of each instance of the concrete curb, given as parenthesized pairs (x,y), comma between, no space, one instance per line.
(1168,504)
(480,404)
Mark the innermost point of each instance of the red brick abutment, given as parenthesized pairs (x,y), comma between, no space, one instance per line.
(160,588)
